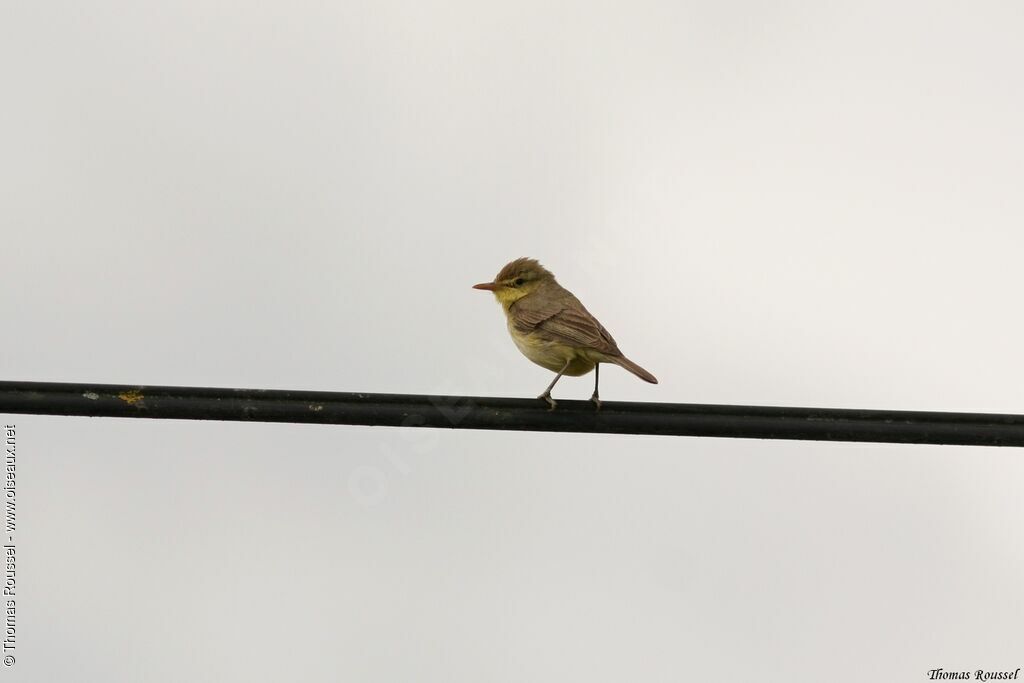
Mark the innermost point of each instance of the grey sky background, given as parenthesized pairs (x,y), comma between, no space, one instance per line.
(783,204)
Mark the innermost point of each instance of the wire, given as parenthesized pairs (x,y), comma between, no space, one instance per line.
(517,414)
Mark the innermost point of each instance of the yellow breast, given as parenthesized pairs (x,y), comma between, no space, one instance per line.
(551,355)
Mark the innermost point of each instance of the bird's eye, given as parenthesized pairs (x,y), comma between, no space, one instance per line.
(519,281)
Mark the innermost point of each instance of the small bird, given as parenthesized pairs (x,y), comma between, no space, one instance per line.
(552,328)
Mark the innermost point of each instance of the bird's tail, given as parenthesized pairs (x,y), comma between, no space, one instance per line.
(635,369)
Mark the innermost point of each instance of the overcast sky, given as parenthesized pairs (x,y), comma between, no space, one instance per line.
(765,203)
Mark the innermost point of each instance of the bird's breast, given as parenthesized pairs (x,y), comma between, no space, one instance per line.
(550,354)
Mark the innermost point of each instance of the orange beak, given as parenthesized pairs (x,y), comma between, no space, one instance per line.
(489,286)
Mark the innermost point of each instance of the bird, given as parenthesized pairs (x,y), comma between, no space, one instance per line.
(552,328)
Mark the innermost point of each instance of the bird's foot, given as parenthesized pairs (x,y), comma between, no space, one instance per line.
(596,400)
(551,401)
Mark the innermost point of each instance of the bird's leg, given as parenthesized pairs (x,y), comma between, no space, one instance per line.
(594,398)
(547,392)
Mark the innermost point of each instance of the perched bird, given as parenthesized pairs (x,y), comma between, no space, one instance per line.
(552,328)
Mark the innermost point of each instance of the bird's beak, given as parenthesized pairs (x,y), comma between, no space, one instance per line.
(489,286)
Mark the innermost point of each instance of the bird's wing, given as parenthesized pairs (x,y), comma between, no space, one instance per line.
(562,319)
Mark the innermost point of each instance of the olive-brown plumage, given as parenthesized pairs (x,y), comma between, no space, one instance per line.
(552,328)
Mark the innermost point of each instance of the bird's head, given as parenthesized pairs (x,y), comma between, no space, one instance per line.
(516,280)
